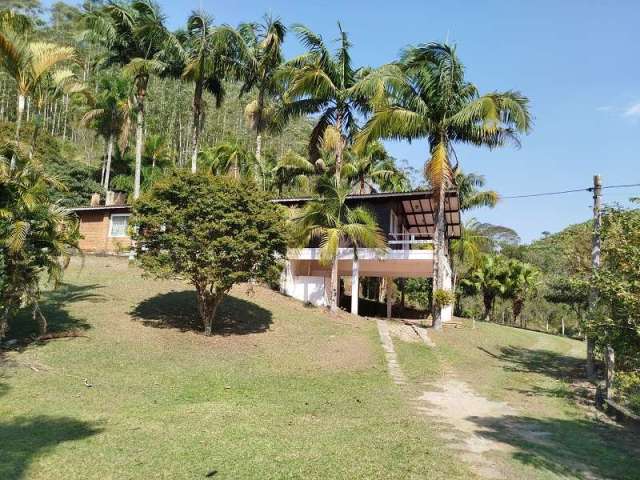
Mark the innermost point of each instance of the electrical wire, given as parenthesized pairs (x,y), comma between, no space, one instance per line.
(561,192)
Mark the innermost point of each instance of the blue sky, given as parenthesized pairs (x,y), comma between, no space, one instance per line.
(578,62)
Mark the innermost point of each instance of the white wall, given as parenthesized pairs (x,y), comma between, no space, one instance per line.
(304,288)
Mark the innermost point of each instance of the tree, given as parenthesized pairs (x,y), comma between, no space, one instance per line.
(329,220)
(111,116)
(135,38)
(326,85)
(28,63)
(210,53)
(469,194)
(572,291)
(521,282)
(425,95)
(616,323)
(210,231)
(37,236)
(262,71)
(488,279)
(156,151)
(373,169)
(295,170)
(230,158)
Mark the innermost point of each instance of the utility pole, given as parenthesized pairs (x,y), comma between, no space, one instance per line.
(595,263)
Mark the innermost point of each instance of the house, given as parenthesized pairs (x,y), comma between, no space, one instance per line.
(104,228)
(407,221)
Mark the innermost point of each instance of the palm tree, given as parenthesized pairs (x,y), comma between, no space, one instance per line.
(330,220)
(295,170)
(36,236)
(327,85)
(262,70)
(210,51)
(230,158)
(469,194)
(135,38)
(28,63)
(373,169)
(489,279)
(521,281)
(425,95)
(111,116)
(157,151)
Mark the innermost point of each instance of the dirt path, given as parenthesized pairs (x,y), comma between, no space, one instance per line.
(455,404)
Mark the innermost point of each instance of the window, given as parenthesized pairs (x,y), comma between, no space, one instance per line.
(119,224)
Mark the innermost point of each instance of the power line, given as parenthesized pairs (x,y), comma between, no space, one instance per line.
(561,192)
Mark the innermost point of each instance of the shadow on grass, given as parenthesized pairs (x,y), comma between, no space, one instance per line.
(53,306)
(579,448)
(544,362)
(563,368)
(26,438)
(179,310)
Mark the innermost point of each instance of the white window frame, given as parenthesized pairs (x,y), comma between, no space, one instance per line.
(126,234)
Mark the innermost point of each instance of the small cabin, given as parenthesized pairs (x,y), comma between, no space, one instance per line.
(105,228)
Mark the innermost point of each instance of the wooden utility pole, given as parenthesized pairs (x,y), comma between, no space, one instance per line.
(595,263)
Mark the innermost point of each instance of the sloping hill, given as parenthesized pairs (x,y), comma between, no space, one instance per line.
(282,391)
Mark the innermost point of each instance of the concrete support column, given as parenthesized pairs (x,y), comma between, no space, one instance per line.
(355,286)
(447,284)
(389,282)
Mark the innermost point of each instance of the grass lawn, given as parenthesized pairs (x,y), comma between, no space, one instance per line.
(551,433)
(281,391)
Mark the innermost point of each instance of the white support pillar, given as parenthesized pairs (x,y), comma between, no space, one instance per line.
(447,311)
(355,286)
(389,281)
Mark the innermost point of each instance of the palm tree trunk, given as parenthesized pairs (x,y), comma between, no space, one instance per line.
(108,166)
(20,110)
(334,285)
(197,125)
(258,147)
(138,168)
(339,147)
(439,257)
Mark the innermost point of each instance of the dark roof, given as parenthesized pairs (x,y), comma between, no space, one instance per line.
(418,208)
(101,207)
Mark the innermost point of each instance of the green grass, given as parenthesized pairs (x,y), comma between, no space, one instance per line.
(536,374)
(282,391)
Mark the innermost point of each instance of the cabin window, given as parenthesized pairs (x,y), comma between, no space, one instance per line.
(119,225)
(394,223)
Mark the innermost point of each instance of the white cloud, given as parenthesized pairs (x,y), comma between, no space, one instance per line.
(604,108)
(633,110)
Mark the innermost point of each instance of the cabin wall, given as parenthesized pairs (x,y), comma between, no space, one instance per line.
(94,230)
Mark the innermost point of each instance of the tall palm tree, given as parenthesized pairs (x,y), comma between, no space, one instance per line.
(28,63)
(135,38)
(262,71)
(111,116)
(210,52)
(330,220)
(425,95)
(326,84)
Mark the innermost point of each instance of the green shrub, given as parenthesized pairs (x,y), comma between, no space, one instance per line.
(627,388)
(442,298)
